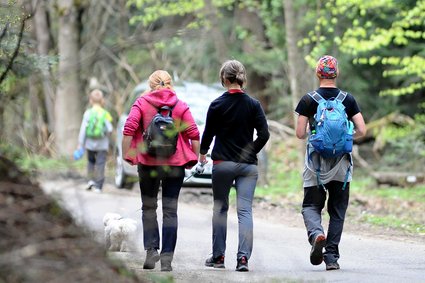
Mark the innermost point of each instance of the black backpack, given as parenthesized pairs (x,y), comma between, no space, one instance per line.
(160,137)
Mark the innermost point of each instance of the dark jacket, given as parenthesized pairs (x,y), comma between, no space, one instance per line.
(231,119)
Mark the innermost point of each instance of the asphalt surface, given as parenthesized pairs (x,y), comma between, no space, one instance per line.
(281,252)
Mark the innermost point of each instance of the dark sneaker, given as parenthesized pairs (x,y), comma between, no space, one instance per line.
(316,254)
(152,257)
(242,264)
(217,262)
(332,266)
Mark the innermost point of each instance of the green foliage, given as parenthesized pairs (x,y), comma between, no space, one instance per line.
(386,32)
(19,156)
(405,145)
(153,10)
(32,163)
(14,63)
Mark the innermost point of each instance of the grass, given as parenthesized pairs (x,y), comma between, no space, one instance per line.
(393,222)
(415,194)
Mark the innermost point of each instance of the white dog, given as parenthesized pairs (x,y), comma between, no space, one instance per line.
(120,233)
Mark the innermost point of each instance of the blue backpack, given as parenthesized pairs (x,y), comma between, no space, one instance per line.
(332,133)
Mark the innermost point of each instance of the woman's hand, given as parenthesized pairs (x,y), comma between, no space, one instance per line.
(202,158)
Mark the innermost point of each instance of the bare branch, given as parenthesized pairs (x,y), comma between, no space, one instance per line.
(16,51)
(3,32)
(121,62)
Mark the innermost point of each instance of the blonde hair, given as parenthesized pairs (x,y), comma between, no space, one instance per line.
(96,97)
(234,72)
(160,79)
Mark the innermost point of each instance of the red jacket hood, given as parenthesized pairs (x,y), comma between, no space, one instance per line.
(161,97)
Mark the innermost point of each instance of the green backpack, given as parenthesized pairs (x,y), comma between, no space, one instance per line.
(96,124)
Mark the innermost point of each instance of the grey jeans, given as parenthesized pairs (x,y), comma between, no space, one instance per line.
(96,166)
(245,178)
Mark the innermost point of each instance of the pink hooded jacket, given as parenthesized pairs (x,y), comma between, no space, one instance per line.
(141,114)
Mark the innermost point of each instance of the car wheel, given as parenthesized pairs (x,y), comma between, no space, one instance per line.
(122,181)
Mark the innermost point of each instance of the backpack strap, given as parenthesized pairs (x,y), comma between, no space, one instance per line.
(316,96)
(341,96)
(168,108)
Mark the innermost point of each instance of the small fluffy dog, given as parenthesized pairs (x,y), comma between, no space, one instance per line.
(120,233)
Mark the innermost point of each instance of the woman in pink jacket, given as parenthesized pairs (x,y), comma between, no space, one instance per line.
(153,171)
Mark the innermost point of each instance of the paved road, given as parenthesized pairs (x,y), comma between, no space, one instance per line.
(281,253)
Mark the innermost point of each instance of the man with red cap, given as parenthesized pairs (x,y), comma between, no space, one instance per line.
(333,181)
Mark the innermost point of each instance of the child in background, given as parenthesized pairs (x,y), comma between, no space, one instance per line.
(95,131)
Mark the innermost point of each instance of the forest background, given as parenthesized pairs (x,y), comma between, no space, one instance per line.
(52,53)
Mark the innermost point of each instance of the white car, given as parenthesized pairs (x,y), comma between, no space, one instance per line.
(198,97)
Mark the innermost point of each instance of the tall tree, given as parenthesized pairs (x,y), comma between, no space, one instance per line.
(68,109)
(299,81)
(294,68)
(42,34)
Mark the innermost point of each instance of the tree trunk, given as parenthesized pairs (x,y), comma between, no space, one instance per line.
(291,43)
(220,44)
(68,109)
(2,125)
(253,24)
(295,65)
(256,82)
(42,32)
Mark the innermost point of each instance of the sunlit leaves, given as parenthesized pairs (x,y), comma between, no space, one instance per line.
(152,10)
(364,29)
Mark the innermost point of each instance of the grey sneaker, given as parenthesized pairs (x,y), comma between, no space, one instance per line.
(152,257)
(90,185)
(166,265)
(316,253)
(166,259)
(216,262)
(332,266)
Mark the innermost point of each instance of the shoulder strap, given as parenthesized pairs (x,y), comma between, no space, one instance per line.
(341,96)
(316,96)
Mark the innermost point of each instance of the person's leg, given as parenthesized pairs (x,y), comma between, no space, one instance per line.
(171,185)
(337,207)
(149,186)
(223,175)
(100,163)
(245,186)
(313,203)
(91,162)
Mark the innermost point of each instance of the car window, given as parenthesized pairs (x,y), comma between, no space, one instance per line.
(198,96)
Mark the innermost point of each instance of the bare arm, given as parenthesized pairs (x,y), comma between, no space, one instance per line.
(196,145)
(301,130)
(126,142)
(359,125)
